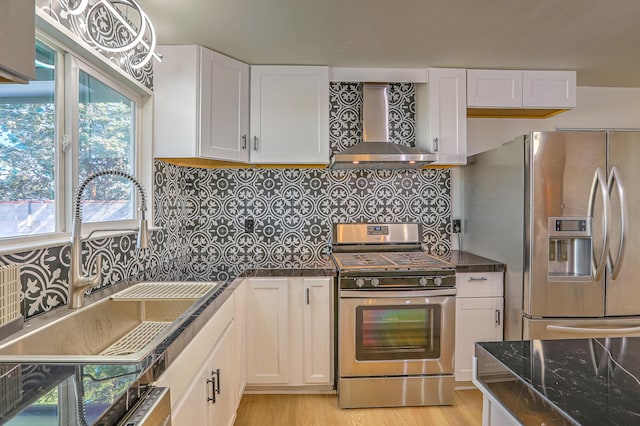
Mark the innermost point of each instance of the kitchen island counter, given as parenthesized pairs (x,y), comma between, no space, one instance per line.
(560,382)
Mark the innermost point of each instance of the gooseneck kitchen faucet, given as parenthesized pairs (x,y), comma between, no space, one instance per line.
(79,283)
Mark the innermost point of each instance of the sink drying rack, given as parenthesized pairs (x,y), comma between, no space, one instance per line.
(146,331)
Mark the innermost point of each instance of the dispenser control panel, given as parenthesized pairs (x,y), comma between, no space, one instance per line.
(569,226)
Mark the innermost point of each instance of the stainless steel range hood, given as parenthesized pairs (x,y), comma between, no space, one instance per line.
(376,152)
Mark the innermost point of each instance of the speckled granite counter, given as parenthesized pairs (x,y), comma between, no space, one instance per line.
(564,382)
(469,262)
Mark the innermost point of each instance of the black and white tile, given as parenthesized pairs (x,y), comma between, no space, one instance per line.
(294,210)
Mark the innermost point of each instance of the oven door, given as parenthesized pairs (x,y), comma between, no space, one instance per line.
(396,333)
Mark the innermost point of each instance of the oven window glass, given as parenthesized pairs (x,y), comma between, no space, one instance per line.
(397,332)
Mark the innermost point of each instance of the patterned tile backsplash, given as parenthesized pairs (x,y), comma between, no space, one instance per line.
(201,213)
(294,209)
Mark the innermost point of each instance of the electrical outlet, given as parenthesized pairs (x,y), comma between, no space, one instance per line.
(456,226)
(249,225)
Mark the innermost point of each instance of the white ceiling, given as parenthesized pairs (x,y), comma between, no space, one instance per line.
(599,39)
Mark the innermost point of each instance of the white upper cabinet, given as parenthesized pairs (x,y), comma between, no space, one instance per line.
(289,114)
(549,89)
(17,41)
(447,117)
(201,105)
(224,107)
(494,88)
(520,90)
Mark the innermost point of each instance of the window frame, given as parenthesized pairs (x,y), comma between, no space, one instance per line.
(72,56)
(73,66)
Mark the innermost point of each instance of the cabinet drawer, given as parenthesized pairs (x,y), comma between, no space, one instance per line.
(479,284)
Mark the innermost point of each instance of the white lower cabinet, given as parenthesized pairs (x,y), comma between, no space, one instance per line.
(479,316)
(316,321)
(289,332)
(201,379)
(210,399)
(267,330)
(240,342)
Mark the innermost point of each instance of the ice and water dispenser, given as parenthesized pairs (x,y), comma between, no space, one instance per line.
(570,248)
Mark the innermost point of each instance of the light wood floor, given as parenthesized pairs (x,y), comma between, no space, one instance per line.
(323,410)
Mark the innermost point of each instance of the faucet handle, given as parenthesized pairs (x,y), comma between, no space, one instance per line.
(96,279)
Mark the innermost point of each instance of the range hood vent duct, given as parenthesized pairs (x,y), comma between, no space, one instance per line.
(376,152)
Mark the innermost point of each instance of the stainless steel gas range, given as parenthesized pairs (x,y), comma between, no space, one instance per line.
(396,317)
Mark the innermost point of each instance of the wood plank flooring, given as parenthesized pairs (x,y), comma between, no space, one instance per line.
(323,410)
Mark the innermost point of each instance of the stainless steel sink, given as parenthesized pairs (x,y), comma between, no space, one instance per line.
(124,327)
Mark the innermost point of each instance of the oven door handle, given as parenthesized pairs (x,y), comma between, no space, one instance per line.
(387,294)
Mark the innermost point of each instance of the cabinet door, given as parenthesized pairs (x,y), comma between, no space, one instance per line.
(175,99)
(196,405)
(224,107)
(240,342)
(494,88)
(448,115)
(182,372)
(317,327)
(549,89)
(289,114)
(221,408)
(192,408)
(17,41)
(478,319)
(267,330)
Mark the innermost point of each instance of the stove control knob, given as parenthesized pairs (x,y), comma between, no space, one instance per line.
(375,282)
(359,282)
(424,281)
(437,280)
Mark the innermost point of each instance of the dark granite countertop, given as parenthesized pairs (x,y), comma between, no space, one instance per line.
(469,262)
(577,381)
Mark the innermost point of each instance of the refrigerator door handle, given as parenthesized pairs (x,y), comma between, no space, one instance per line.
(614,177)
(600,181)
(594,330)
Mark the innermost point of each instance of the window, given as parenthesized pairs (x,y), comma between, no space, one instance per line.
(69,123)
(106,140)
(28,142)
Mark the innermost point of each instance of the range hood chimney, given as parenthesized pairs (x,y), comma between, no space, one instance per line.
(376,152)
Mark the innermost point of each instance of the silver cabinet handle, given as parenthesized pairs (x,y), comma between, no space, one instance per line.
(477,278)
(255,143)
(244,142)
(599,181)
(212,398)
(614,177)
(435,144)
(498,315)
(308,297)
(217,373)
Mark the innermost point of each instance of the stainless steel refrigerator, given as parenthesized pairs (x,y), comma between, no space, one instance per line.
(562,210)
